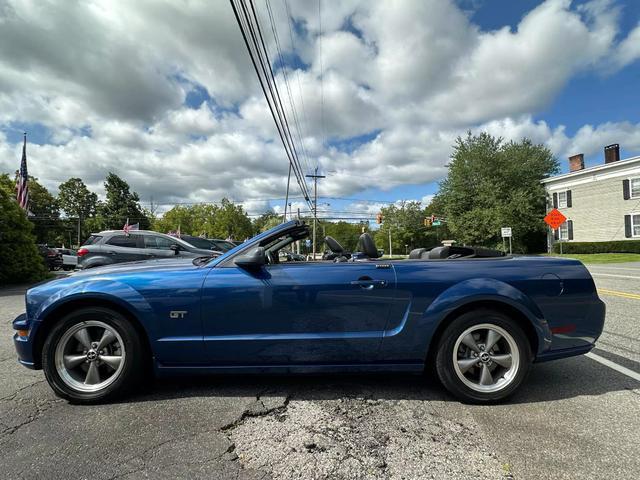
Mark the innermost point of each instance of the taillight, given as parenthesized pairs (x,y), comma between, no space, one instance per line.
(82,251)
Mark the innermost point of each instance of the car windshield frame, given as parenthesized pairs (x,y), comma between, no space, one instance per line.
(278,230)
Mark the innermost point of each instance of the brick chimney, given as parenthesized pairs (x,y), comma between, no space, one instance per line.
(576,162)
(611,153)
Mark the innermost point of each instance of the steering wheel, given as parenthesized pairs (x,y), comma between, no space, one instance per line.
(271,258)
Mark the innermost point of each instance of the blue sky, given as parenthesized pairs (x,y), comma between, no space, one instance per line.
(175,108)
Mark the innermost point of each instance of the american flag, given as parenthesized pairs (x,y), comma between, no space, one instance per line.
(22,184)
(127,228)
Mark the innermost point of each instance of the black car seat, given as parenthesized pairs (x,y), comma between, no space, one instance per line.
(336,252)
(419,253)
(439,252)
(367,246)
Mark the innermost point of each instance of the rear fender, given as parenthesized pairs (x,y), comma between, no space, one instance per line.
(487,290)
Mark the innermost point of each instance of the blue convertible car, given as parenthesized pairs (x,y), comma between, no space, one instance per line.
(480,318)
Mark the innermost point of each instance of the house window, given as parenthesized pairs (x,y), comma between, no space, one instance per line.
(635,224)
(564,229)
(634,185)
(562,199)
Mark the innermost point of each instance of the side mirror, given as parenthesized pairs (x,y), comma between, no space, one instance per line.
(252,260)
(176,248)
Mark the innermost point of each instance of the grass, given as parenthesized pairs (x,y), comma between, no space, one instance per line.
(601,257)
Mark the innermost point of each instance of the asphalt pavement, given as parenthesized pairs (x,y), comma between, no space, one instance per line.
(573,418)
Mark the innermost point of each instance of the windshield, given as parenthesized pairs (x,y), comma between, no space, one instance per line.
(92,239)
(198,242)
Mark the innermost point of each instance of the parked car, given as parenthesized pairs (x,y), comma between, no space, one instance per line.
(208,243)
(117,246)
(479,317)
(69,258)
(52,259)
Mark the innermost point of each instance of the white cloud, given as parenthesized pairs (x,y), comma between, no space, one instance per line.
(109,82)
(629,49)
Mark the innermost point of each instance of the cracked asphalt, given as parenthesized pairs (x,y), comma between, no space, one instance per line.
(574,418)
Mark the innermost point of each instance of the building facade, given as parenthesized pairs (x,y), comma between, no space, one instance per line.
(601,203)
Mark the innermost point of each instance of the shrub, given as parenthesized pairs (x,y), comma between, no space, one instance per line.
(20,260)
(620,246)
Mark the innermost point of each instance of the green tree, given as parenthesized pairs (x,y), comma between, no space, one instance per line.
(19,257)
(266,221)
(183,217)
(406,224)
(493,184)
(214,221)
(231,221)
(345,233)
(121,204)
(45,213)
(77,201)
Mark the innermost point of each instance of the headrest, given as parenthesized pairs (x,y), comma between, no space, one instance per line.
(416,253)
(333,245)
(367,246)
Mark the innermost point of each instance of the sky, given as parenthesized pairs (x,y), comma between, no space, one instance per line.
(164,93)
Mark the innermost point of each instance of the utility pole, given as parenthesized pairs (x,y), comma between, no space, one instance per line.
(286,200)
(315,177)
(390,247)
(298,242)
(78,231)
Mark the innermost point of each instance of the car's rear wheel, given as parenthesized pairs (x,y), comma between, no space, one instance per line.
(92,355)
(483,356)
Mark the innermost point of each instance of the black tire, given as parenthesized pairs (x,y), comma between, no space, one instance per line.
(448,372)
(125,378)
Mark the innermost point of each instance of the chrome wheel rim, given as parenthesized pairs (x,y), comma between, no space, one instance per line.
(486,358)
(90,356)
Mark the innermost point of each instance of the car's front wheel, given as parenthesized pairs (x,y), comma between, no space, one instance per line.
(483,356)
(92,355)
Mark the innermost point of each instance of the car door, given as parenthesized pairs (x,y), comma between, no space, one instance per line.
(297,313)
(158,247)
(125,248)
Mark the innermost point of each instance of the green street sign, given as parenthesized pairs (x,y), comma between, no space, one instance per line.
(436,223)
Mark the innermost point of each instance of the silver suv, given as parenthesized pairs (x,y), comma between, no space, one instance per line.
(116,246)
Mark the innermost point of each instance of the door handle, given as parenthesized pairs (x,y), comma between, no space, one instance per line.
(369,284)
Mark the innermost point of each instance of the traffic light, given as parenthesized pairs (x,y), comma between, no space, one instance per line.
(427,222)
(379,218)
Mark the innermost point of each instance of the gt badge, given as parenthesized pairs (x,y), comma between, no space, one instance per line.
(177,313)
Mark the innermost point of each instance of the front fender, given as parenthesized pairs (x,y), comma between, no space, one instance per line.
(103,289)
(488,289)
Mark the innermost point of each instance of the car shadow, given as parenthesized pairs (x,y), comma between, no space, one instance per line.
(558,380)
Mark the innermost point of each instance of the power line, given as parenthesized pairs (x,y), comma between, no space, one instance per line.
(296,122)
(246,24)
(322,131)
(273,86)
(293,48)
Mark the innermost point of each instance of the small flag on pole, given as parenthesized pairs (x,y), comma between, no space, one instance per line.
(22,183)
(127,228)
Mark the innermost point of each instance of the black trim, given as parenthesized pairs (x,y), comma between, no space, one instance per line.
(568,198)
(627,226)
(570,228)
(626,189)
(555,200)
